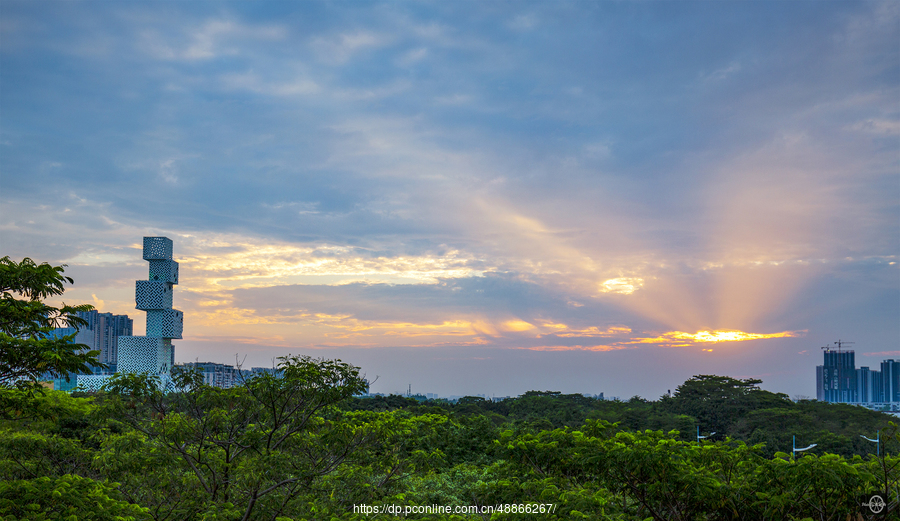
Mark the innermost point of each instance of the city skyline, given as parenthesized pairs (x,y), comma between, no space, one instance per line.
(483,198)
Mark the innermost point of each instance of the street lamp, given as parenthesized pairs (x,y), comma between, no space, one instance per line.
(876,441)
(702,437)
(796,450)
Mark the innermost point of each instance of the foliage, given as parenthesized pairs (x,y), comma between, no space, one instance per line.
(303,447)
(67,497)
(27,351)
(653,475)
(718,401)
(257,445)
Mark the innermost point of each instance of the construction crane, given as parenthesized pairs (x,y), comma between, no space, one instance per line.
(839,344)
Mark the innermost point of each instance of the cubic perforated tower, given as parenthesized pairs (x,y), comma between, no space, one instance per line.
(153,353)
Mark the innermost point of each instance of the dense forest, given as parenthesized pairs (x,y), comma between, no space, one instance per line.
(304,445)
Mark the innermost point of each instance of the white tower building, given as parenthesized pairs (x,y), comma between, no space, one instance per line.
(152,353)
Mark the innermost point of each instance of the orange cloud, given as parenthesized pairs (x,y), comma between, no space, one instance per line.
(517,326)
(596,332)
(672,339)
(622,285)
(613,347)
(225,262)
(682,339)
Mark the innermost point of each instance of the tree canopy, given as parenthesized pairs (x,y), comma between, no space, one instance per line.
(718,401)
(304,447)
(28,349)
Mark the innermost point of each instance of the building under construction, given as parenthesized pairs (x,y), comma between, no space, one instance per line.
(838,380)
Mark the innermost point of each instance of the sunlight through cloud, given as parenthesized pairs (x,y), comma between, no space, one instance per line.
(622,285)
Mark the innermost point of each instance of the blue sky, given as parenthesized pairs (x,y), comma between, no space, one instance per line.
(472,197)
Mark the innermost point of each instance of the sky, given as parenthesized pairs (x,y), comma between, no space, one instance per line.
(469,197)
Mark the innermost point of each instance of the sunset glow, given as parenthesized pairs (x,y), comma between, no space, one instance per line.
(622,285)
(735,336)
(470,197)
(230,262)
(682,339)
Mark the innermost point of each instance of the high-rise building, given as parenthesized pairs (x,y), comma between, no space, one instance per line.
(101,333)
(865,389)
(225,376)
(890,376)
(152,353)
(877,387)
(838,377)
(820,383)
(838,380)
(217,375)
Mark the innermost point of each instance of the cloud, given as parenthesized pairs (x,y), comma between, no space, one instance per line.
(454,99)
(680,338)
(97,303)
(338,49)
(413,56)
(383,177)
(523,22)
(596,348)
(593,332)
(213,38)
(890,127)
(723,73)
(167,171)
(250,81)
(232,262)
(623,285)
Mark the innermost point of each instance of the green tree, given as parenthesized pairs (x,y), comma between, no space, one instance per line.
(231,453)
(63,498)
(718,401)
(26,350)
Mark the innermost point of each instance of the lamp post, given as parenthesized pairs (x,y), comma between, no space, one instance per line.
(703,437)
(876,441)
(796,450)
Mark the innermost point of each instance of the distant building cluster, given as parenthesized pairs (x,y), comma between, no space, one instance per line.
(154,353)
(102,334)
(453,398)
(224,375)
(838,380)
